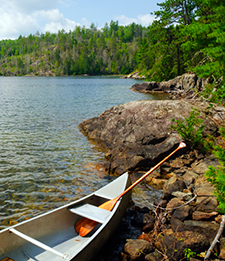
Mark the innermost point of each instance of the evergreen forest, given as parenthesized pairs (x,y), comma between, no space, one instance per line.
(186,36)
(110,50)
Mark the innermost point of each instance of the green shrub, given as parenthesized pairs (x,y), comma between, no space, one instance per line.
(216,175)
(215,92)
(188,253)
(191,130)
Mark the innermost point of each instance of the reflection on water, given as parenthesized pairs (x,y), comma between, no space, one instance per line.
(44,160)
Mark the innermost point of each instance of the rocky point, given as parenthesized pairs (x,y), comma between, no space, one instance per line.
(137,135)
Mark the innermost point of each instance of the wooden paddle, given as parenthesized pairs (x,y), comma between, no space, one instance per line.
(85,225)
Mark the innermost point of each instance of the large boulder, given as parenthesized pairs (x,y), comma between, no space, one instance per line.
(172,185)
(137,248)
(185,82)
(137,134)
(148,87)
(175,244)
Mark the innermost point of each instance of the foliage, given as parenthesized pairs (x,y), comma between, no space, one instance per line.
(176,11)
(188,36)
(188,253)
(211,29)
(215,92)
(191,130)
(110,50)
(216,175)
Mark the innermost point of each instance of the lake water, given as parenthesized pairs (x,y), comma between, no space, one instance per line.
(44,160)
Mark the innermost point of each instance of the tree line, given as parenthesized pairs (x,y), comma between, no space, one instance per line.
(110,50)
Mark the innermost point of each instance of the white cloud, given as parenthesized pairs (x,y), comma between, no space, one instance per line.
(144,20)
(24,17)
(85,22)
(124,20)
(52,15)
(13,24)
(56,21)
(20,17)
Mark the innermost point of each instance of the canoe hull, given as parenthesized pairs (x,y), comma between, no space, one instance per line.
(56,229)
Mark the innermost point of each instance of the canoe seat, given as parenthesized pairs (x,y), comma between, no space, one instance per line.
(91,212)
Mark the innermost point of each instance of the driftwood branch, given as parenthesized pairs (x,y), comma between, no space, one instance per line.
(216,239)
(169,209)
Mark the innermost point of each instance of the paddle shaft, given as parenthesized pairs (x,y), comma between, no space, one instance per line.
(84,226)
(181,145)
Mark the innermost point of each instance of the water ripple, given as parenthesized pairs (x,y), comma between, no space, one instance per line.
(44,160)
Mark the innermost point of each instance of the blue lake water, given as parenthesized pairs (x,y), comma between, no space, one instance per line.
(44,160)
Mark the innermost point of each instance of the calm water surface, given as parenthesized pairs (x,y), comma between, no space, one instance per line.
(44,160)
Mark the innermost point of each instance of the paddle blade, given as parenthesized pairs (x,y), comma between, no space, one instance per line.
(182,145)
(85,225)
(109,205)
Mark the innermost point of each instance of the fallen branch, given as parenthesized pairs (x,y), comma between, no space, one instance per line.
(170,209)
(216,239)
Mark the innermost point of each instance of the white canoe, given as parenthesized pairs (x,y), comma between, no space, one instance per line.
(52,237)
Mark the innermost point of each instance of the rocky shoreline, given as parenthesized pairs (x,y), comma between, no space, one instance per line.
(135,136)
(184,86)
(185,218)
(138,134)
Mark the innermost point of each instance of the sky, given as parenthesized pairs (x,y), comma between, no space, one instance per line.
(24,17)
